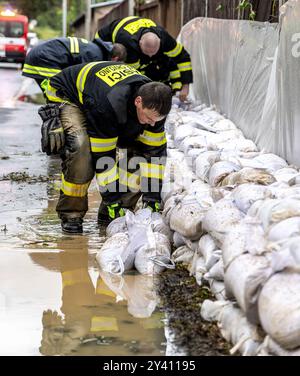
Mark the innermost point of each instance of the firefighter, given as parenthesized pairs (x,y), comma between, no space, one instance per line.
(118,106)
(152,51)
(50,57)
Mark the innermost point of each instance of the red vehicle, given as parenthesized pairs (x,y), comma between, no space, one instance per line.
(13,37)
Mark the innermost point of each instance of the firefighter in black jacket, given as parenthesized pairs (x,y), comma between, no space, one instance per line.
(119,107)
(152,51)
(50,57)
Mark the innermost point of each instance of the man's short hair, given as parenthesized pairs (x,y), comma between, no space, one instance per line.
(119,51)
(156,96)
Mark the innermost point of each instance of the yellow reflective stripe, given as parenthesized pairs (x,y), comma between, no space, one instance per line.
(107,177)
(72,189)
(84,40)
(131,180)
(149,170)
(176,85)
(100,145)
(174,74)
(152,139)
(102,289)
(41,71)
(185,66)
(73,277)
(50,92)
(175,52)
(134,65)
(76,44)
(97,35)
(71,45)
(134,26)
(118,26)
(104,323)
(81,78)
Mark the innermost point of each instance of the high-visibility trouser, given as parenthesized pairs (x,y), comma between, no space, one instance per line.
(77,164)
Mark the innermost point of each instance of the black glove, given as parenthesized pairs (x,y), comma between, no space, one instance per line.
(154,206)
(53,137)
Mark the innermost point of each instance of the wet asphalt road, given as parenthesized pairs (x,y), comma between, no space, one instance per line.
(53,299)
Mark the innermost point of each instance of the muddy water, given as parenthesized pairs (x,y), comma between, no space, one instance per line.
(53,298)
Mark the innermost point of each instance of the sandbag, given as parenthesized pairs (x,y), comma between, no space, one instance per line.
(279,309)
(116,226)
(154,255)
(244,279)
(219,218)
(273,211)
(246,194)
(270,347)
(115,256)
(192,212)
(284,229)
(285,174)
(248,175)
(245,237)
(183,254)
(234,326)
(220,170)
(204,162)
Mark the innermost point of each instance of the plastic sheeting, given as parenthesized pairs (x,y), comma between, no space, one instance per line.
(250,71)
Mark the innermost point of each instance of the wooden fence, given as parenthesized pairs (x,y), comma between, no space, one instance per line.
(172,14)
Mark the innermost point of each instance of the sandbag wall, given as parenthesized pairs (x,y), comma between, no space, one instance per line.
(251,72)
(235,214)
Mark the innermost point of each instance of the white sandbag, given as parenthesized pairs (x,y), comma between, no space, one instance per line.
(295,180)
(195,142)
(248,175)
(186,218)
(273,211)
(170,204)
(116,226)
(270,347)
(245,237)
(224,125)
(218,193)
(154,255)
(234,326)
(279,309)
(246,194)
(244,279)
(284,229)
(216,272)
(192,155)
(158,225)
(285,174)
(238,144)
(197,268)
(218,290)
(218,219)
(204,162)
(184,131)
(220,170)
(183,254)
(271,162)
(207,247)
(115,256)
(286,255)
(179,240)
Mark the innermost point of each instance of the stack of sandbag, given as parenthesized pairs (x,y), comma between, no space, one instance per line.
(140,240)
(236,223)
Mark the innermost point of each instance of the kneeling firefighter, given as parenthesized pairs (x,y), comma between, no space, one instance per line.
(117,107)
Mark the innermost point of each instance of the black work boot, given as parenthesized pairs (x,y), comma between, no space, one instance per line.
(72,225)
(107,213)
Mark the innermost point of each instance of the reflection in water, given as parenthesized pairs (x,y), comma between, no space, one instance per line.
(116,316)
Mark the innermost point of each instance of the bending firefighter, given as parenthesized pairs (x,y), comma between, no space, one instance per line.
(112,105)
(152,50)
(50,57)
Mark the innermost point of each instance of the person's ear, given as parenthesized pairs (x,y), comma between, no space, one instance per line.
(138,101)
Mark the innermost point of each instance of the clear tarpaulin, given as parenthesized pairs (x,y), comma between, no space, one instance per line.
(250,71)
